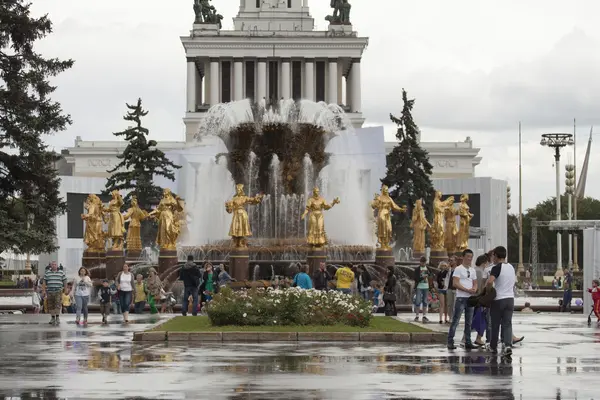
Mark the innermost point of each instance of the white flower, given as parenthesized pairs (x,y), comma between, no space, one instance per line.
(244,315)
(274,322)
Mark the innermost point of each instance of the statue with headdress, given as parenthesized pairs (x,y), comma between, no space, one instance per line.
(419,225)
(135,215)
(115,220)
(465,217)
(384,205)
(240,224)
(93,236)
(437,226)
(316,236)
(168,228)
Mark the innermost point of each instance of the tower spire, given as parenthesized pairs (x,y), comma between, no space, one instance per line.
(580,192)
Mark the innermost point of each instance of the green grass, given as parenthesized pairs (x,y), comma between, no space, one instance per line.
(7,284)
(202,324)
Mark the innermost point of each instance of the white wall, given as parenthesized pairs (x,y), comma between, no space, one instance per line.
(591,264)
(493,207)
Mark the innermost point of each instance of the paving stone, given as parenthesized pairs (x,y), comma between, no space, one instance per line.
(178,336)
(278,336)
(328,336)
(206,337)
(240,336)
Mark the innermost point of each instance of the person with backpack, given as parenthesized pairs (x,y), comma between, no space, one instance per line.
(190,275)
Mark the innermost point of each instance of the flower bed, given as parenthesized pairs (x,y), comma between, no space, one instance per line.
(264,307)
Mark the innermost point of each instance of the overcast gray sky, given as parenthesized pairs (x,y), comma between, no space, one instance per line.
(476,68)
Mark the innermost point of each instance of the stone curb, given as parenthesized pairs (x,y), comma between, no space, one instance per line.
(255,337)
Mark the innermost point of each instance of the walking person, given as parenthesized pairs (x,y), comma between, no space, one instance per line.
(125,285)
(321,277)
(104,296)
(480,316)
(141,294)
(55,281)
(465,281)
(223,277)
(114,296)
(389,295)
(502,276)
(189,274)
(82,287)
(302,280)
(442,289)
(209,282)
(568,291)
(421,289)
(364,282)
(155,291)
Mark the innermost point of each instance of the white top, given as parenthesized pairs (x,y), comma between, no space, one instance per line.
(35,300)
(82,286)
(467,277)
(505,281)
(125,282)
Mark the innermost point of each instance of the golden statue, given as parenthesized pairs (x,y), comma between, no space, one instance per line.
(462,241)
(115,220)
(315,205)
(240,226)
(437,227)
(419,225)
(93,236)
(180,218)
(168,229)
(451,229)
(135,215)
(384,205)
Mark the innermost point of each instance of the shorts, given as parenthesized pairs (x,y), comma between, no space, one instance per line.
(442,291)
(104,308)
(54,302)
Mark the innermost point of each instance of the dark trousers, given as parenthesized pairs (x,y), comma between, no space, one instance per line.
(187,292)
(138,307)
(567,298)
(501,313)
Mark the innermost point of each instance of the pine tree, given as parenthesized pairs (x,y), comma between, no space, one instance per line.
(29,183)
(408,172)
(140,162)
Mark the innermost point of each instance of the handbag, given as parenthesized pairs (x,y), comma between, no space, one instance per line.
(389,297)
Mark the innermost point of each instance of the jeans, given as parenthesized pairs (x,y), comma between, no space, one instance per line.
(364,294)
(345,291)
(82,306)
(125,300)
(460,305)
(567,298)
(187,292)
(116,307)
(501,313)
(138,307)
(488,325)
(421,298)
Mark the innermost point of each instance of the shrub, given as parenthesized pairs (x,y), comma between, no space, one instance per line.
(292,306)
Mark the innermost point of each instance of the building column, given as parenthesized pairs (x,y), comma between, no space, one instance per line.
(238,79)
(348,99)
(340,85)
(286,89)
(332,83)
(199,96)
(191,85)
(207,82)
(305,3)
(214,81)
(261,79)
(309,79)
(356,100)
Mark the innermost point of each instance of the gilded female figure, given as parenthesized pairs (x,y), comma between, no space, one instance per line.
(419,225)
(464,224)
(93,236)
(115,220)
(384,205)
(135,215)
(240,225)
(451,229)
(315,205)
(437,227)
(181,218)
(168,230)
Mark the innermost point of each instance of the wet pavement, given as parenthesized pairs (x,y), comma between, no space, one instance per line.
(559,359)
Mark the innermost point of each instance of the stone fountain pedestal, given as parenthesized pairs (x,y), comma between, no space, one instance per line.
(114,262)
(384,258)
(166,260)
(239,264)
(314,258)
(437,256)
(92,259)
(416,255)
(134,254)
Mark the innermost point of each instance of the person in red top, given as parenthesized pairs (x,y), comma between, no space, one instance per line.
(595,291)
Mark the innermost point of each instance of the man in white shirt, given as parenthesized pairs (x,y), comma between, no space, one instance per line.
(503,277)
(464,281)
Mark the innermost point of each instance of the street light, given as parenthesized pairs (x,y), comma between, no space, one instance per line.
(557,141)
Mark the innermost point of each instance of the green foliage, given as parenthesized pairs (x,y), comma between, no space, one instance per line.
(587,209)
(140,162)
(259,307)
(408,171)
(29,183)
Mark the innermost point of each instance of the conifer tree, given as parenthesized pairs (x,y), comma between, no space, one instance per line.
(408,172)
(140,162)
(29,183)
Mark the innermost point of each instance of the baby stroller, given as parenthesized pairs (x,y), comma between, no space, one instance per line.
(170,302)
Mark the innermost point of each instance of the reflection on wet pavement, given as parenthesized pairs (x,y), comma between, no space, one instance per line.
(43,362)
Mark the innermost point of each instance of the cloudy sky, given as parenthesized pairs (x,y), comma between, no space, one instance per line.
(476,68)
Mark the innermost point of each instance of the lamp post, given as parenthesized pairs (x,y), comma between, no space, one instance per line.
(570,190)
(557,141)
(28,256)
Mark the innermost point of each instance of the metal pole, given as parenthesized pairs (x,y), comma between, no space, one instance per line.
(558,235)
(570,234)
(575,255)
(520,268)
